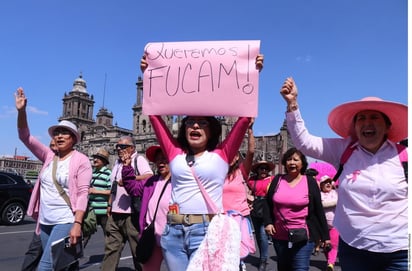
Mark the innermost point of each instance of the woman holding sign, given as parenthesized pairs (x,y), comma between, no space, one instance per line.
(196,159)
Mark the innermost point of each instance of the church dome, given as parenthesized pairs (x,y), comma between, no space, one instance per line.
(79,84)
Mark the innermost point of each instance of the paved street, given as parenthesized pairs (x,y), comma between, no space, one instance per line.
(91,262)
(14,240)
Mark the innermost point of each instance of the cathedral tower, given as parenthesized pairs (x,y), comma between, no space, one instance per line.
(78,106)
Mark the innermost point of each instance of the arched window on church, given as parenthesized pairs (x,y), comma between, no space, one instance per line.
(144,124)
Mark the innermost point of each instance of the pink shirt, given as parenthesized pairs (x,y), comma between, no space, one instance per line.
(121,202)
(260,187)
(80,174)
(234,193)
(372,210)
(329,200)
(292,203)
(210,168)
(161,216)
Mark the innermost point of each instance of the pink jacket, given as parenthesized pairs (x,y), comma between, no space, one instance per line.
(80,174)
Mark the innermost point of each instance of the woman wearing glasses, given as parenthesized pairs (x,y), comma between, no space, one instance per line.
(58,215)
(258,184)
(197,146)
(196,155)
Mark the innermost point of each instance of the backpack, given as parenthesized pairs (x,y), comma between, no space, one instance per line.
(402,154)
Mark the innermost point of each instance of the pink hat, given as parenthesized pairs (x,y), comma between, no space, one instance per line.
(151,152)
(341,117)
(325,178)
(323,169)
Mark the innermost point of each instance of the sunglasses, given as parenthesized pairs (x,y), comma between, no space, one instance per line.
(64,132)
(327,182)
(201,122)
(264,168)
(122,146)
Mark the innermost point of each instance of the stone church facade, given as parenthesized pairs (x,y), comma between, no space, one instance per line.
(78,107)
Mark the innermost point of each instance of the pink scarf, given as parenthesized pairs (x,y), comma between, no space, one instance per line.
(220,248)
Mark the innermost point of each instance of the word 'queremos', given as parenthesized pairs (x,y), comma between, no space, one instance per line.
(176,71)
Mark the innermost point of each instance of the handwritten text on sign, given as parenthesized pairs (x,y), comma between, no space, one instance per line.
(216,78)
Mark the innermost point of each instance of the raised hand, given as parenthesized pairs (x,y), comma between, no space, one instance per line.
(126,158)
(143,63)
(289,91)
(259,62)
(21,100)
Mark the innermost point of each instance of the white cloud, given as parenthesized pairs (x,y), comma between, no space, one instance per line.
(305,59)
(35,110)
(8,111)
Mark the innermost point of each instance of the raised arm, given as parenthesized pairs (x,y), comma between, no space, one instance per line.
(247,163)
(21,103)
(233,140)
(326,149)
(33,144)
(289,92)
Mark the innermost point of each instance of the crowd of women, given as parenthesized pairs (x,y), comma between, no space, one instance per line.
(200,177)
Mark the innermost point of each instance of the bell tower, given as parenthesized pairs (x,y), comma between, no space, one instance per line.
(78,106)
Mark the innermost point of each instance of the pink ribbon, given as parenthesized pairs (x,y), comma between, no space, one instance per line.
(354,175)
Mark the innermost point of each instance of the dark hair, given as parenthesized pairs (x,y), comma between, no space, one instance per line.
(215,129)
(289,154)
(387,120)
(311,172)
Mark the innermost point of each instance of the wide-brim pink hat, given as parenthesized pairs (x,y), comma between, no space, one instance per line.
(151,152)
(341,117)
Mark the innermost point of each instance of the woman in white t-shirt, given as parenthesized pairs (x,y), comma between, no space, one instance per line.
(58,214)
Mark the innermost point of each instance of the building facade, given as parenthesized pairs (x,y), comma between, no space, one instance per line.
(78,107)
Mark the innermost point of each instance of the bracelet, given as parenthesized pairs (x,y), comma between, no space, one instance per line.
(109,205)
(292,107)
(78,222)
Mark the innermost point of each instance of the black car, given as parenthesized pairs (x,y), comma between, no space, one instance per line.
(14,198)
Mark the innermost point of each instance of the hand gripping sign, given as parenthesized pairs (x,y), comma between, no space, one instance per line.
(203,78)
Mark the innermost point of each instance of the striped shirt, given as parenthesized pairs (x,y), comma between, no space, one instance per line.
(100,181)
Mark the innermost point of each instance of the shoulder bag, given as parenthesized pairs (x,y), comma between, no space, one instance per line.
(147,240)
(89,223)
(258,204)
(296,235)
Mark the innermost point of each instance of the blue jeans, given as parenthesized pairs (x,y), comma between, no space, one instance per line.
(353,259)
(262,238)
(49,234)
(296,258)
(179,242)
